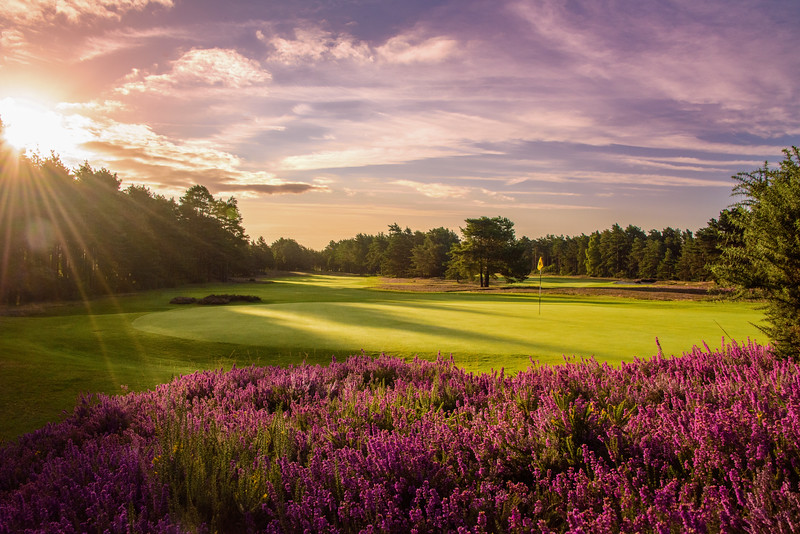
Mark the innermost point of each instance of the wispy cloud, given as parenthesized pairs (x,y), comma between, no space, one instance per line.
(14,47)
(413,48)
(135,150)
(200,68)
(126,39)
(691,164)
(387,139)
(435,190)
(686,52)
(627,178)
(31,11)
(314,44)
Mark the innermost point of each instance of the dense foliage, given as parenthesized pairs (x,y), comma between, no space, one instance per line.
(399,253)
(74,234)
(490,247)
(666,254)
(762,247)
(706,442)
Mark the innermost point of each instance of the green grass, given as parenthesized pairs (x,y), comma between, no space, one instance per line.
(141,340)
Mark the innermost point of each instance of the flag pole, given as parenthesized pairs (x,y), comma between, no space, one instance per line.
(541,265)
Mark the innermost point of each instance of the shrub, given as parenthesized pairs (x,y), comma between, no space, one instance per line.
(706,442)
(183,300)
(226,299)
(764,254)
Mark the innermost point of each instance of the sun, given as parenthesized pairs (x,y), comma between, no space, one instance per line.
(33,127)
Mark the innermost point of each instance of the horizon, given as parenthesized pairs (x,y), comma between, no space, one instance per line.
(328,119)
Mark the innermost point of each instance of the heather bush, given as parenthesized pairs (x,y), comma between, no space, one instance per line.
(705,442)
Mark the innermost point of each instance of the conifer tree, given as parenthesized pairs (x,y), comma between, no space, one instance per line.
(767,257)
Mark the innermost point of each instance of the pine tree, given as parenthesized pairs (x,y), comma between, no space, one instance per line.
(767,256)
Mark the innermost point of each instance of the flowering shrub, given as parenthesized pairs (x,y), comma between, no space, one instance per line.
(705,442)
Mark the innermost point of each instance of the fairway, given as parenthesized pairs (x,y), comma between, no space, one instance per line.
(135,342)
(481,331)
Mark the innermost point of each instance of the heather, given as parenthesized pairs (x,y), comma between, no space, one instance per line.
(704,442)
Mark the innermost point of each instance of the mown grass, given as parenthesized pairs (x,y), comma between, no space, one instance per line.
(141,340)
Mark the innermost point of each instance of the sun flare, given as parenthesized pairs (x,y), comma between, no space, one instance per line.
(33,127)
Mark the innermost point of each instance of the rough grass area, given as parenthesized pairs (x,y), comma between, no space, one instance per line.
(581,286)
(706,442)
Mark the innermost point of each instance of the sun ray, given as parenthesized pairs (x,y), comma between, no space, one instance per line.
(40,192)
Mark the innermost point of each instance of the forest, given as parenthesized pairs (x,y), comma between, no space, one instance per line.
(74,233)
(668,254)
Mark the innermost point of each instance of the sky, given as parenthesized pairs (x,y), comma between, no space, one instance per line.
(328,118)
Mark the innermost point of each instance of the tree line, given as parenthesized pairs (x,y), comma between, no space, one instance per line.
(489,248)
(70,234)
(73,233)
(667,254)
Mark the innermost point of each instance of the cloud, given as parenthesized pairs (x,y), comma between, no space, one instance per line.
(389,139)
(496,195)
(690,163)
(272,189)
(126,39)
(313,44)
(94,107)
(14,47)
(410,48)
(435,190)
(694,53)
(624,178)
(213,67)
(480,195)
(32,11)
(141,155)
(360,157)
(533,206)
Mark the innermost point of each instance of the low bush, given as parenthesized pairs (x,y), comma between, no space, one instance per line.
(705,442)
(183,300)
(215,299)
(226,299)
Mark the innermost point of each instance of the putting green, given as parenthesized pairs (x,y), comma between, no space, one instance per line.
(501,331)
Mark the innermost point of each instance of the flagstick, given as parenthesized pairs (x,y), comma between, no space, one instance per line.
(540,266)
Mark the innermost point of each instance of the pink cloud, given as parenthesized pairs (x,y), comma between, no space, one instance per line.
(214,67)
(315,44)
(33,11)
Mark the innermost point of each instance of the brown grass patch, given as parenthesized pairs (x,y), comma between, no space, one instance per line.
(657,291)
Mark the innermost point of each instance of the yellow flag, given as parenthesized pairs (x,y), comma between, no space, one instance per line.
(541,263)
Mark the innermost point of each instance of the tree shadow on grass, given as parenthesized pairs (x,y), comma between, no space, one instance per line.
(330,325)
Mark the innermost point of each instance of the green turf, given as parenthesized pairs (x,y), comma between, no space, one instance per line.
(141,340)
(506,329)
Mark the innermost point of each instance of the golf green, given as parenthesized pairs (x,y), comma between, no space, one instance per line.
(480,331)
